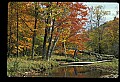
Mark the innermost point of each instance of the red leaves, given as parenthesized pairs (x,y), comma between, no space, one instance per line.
(73,14)
(84,13)
(84,19)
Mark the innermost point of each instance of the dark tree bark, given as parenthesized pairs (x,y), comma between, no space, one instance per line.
(45,36)
(17,30)
(44,44)
(75,70)
(75,53)
(34,34)
(10,20)
(26,51)
(23,52)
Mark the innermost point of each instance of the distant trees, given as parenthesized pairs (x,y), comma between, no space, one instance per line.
(96,18)
(110,38)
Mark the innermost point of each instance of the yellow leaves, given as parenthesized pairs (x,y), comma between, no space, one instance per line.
(63,40)
(20,49)
(20,30)
(48,25)
(29,39)
(61,10)
(35,29)
(20,46)
(41,9)
(56,51)
(70,52)
(47,44)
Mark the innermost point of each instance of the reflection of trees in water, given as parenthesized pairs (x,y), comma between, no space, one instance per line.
(73,71)
(88,73)
(65,71)
(83,72)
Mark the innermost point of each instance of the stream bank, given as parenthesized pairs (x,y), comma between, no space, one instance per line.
(25,66)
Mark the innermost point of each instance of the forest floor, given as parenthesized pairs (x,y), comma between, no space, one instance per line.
(19,67)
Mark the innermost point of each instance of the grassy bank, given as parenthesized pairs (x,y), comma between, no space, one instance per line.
(111,67)
(22,65)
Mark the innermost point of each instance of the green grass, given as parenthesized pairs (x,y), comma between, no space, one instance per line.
(25,64)
(19,66)
(111,67)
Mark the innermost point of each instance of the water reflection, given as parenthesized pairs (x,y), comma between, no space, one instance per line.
(72,72)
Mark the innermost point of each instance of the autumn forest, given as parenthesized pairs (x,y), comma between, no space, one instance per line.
(42,34)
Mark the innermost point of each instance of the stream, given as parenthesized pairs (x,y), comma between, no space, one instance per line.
(72,72)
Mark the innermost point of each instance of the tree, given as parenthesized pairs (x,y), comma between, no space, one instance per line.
(110,41)
(53,23)
(96,19)
(10,25)
(34,33)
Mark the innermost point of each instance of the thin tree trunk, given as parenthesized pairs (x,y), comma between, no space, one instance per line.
(64,48)
(33,42)
(75,53)
(45,37)
(9,45)
(26,51)
(98,24)
(23,52)
(49,46)
(55,41)
(44,44)
(34,34)
(54,44)
(45,40)
(17,31)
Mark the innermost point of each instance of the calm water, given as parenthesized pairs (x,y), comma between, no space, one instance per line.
(72,71)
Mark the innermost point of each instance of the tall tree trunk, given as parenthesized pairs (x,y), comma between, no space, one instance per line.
(33,43)
(44,44)
(45,36)
(10,20)
(50,42)
(55,41)
(17,30)
(98,24)
(45,39)
(34,34)
(64,48)
(54,44)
